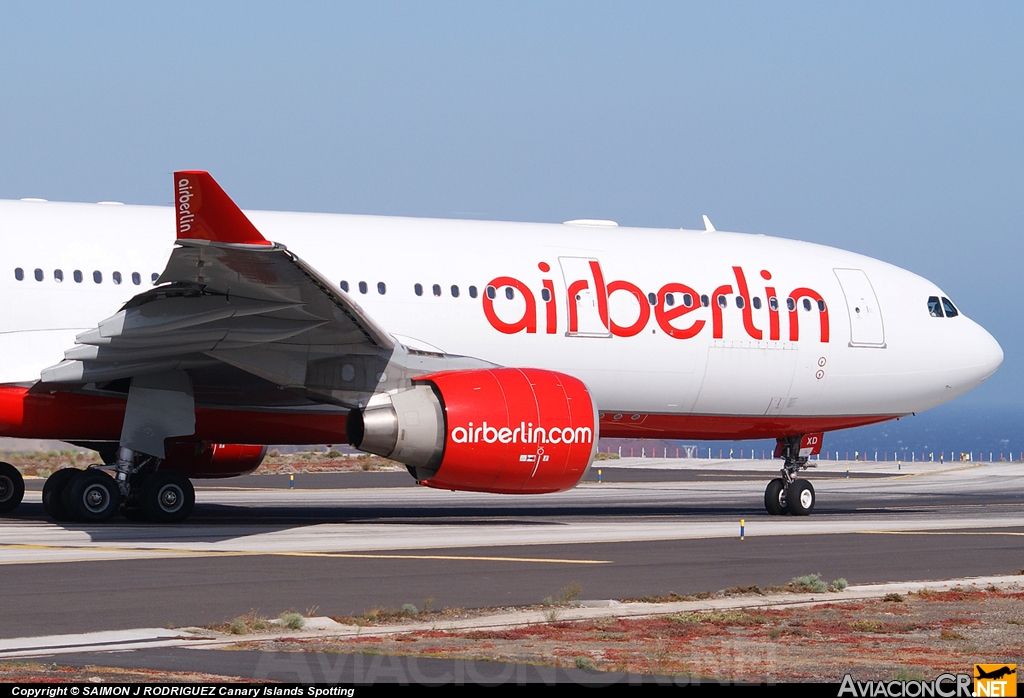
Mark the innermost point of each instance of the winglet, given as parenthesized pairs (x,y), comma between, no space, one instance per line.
(205,212)
(708,228)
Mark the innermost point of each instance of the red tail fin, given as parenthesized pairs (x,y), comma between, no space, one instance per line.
(205,212)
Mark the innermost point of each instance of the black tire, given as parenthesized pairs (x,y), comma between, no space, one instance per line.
(91,496)
(167,496)
(775,497)
(133,513)
(800,498)
(12,488)
(53,490)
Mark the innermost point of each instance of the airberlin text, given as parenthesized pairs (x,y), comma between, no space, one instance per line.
(185,215)
(525,433)
(670,306)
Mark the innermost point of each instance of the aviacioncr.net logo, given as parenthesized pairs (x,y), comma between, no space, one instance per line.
(525,433)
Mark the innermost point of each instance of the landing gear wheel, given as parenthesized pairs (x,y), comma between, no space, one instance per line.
(53,490)
(800,498)
(133,513)
(12,487)
(167,497)
(92,496)
(775,497)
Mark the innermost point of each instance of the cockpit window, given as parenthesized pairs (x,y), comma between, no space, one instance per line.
(948,306)
(934,307)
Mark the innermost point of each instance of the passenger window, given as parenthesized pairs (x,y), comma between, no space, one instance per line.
(363,287)
(821,306)
(934,306)
(78,276)
(344,286)
(58,275)
(545,295)
(790,304)
(510,292)
(807,303)
(381,288)
(136,278)
(653,299)
(687,300)
(418,289)
(704,300)
(154,276)
(436,289)
(455,291)
(39,274)
(490,292)
(723,302)
(950,309)
(756,302)
(472,291)
(117,277)
(670,299)
(19,274)
(97,277)
(773,303)
(740,302)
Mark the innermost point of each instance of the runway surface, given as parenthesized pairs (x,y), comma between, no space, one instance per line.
(348,542)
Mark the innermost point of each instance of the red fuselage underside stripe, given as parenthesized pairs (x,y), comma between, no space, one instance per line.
(77,417)
(726,427)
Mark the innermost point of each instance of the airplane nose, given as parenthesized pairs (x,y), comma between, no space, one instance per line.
(985,352)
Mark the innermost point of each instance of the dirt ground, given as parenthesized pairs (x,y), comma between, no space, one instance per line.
(917,636)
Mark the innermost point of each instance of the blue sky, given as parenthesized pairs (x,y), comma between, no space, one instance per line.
(892,129)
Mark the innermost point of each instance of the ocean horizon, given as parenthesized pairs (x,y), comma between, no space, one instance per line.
(983,431)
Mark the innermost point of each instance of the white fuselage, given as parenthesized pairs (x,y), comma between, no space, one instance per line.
(880,351)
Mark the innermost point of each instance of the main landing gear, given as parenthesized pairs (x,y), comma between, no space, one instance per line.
(12,487)
(139,490)
(789,493)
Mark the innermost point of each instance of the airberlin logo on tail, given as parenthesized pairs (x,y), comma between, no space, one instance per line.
(185,215)
(587,310)
(525,433)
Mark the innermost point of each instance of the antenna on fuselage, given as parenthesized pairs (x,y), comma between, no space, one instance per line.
(708,228)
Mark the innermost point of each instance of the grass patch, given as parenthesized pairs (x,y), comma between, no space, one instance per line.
(893,598)
(585,663)
(292,621)
(866,625)
(725,617)
(243,625)
(810,583)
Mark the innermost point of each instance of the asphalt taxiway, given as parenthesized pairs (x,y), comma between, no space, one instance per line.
(345,543)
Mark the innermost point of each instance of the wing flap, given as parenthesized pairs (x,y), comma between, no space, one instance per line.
(229,298)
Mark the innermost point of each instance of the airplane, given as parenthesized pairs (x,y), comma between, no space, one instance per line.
(485,356)
(995,673)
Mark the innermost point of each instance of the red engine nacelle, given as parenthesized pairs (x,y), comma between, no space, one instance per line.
(509,430)
(213,460)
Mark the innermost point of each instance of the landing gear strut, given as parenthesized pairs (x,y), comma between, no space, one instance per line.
(789,493)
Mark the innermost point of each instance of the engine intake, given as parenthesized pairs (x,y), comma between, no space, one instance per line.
(510,430)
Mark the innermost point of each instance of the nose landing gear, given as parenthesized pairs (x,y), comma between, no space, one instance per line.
(789,493)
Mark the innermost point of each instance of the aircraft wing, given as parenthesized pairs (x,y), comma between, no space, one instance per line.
(245,317)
